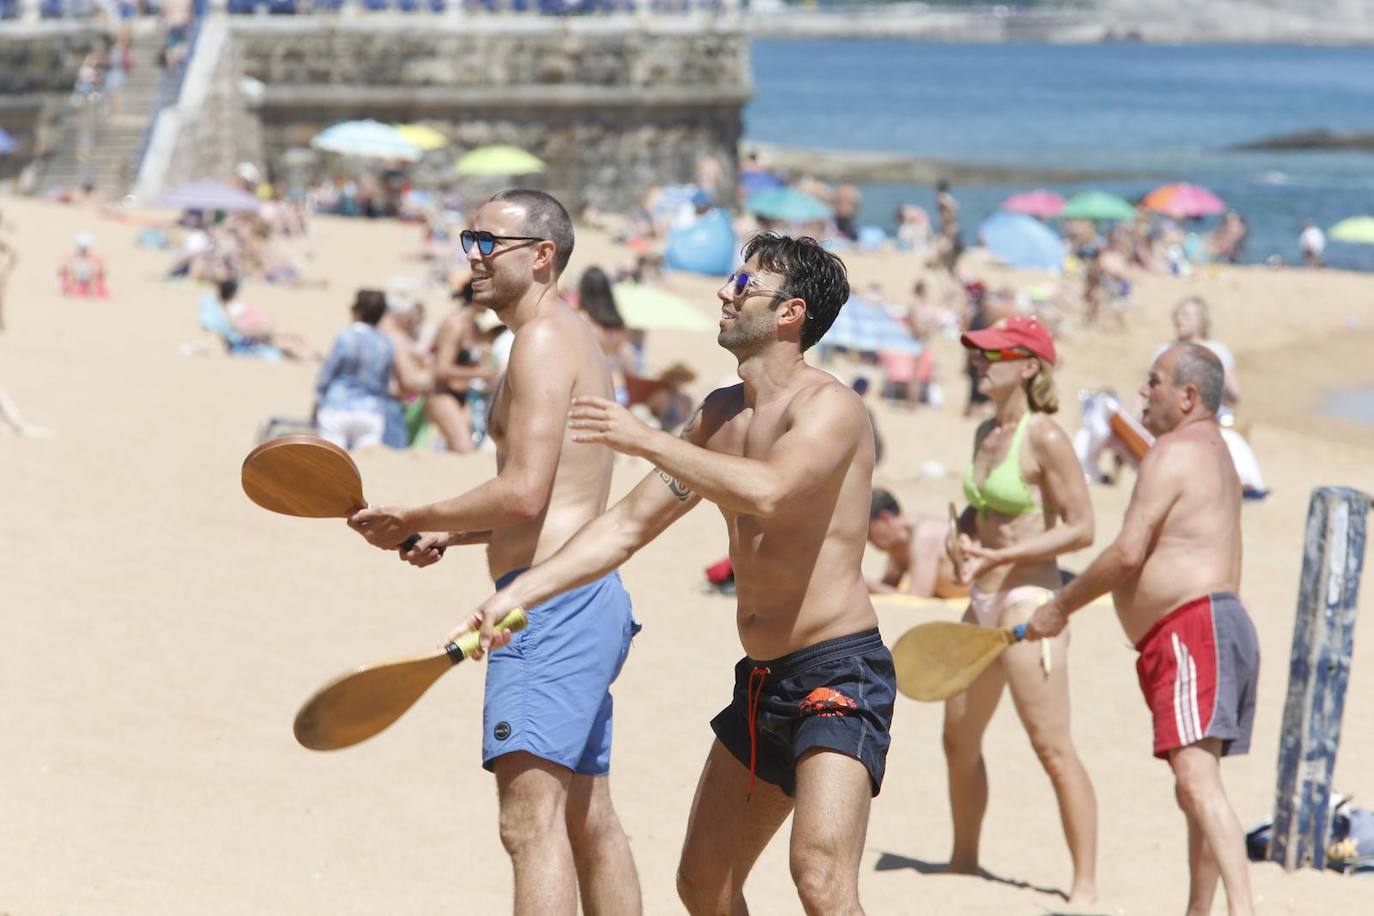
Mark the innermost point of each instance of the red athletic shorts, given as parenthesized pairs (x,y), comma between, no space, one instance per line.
(1198,669)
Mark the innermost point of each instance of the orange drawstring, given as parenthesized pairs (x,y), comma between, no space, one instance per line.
(756,678)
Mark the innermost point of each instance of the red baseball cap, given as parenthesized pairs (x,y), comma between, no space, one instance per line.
(1027,333)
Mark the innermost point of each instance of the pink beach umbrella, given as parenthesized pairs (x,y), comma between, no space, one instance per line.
(1183,201)
(1041,203)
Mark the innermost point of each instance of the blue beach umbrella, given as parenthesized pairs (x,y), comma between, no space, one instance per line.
(1022,241)
(788,205)
(368,139)
(7,143)
(866,327)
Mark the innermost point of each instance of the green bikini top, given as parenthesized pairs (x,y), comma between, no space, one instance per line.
(1004,491)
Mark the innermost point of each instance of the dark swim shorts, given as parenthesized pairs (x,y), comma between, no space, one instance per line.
(836,695)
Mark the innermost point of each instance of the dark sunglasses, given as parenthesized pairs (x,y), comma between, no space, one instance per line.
(486,242)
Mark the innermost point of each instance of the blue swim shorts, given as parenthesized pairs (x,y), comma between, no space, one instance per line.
(548,692)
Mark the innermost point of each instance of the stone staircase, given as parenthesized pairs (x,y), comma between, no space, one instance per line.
(116,137)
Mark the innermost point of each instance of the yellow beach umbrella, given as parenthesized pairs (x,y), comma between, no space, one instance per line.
(1358,229)
(423,136)
(648,308)
(498,160)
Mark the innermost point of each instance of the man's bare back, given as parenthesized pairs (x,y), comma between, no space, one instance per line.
(797,573)
(1197,550)
(581,484)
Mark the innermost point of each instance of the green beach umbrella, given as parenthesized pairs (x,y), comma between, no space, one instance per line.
(1097,206)
(498,160)
(648,308)
(1357,229)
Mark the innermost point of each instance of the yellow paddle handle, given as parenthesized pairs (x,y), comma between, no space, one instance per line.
(465,645)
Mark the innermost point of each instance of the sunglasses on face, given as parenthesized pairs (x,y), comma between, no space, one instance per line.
(1006,354)
(486,242)
(741,282)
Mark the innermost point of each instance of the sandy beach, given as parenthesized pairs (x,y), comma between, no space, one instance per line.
(162,630)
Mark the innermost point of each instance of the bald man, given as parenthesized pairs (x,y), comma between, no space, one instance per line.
(1173,572)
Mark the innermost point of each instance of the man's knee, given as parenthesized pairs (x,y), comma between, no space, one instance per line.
(702,893)
(595,820)
(821,883)
(1197,780)
(961,747)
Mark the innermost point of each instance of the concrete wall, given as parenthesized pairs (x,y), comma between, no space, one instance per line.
(610,104)
(38,64)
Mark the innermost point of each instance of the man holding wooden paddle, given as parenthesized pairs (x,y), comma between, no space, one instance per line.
(546,719)
(788,457)
(1173,572)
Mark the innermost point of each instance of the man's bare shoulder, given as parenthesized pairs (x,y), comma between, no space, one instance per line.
(825,394)
(1172,456)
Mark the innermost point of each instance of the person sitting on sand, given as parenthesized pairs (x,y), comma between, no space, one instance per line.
(83,271)
(917,562)
(244,328)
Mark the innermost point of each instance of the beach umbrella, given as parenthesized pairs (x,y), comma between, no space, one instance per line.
(7,143)
(649,308)
(1022,241)
(1042,203)
(367,139)
(422,136)
(1097,206)
(499,161)
(752,182)
(207,195)
(1357,229)
(1183,201)
(788,205)
(863,326)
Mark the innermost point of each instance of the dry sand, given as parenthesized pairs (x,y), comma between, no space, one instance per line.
(161,630)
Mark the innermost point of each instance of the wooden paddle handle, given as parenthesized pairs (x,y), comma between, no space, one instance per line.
(465,645)
(412,541)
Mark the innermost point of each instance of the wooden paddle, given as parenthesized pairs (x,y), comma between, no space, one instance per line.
(308,477)
(935,661)
(357,705)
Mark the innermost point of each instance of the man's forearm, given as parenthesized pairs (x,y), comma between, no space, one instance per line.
(489,506)
(729,481)
(599,547)
(1109,570)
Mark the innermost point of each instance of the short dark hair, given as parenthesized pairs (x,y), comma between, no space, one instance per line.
(809,273)
(228,289)
(545,218)
(369,305)
(883,501)
(1198,366)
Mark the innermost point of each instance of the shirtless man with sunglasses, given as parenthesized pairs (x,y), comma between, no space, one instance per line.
(546,727)
(787,456)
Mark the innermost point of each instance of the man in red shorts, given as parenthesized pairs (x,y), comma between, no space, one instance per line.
(1173,572)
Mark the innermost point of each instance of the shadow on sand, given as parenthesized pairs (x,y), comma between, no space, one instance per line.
(890,861)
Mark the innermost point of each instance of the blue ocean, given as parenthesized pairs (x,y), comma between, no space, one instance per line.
(1167,111)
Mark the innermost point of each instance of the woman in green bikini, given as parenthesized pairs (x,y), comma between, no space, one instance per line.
(1028,504)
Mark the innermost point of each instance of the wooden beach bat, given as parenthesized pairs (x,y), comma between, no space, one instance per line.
(360,703)
(935,661)
(1133,436)
(309,477)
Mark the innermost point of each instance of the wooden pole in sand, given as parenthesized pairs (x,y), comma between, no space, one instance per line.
(1323,638)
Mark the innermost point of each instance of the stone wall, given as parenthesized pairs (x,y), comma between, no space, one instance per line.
(610,104)
(216,124)
(38,64)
